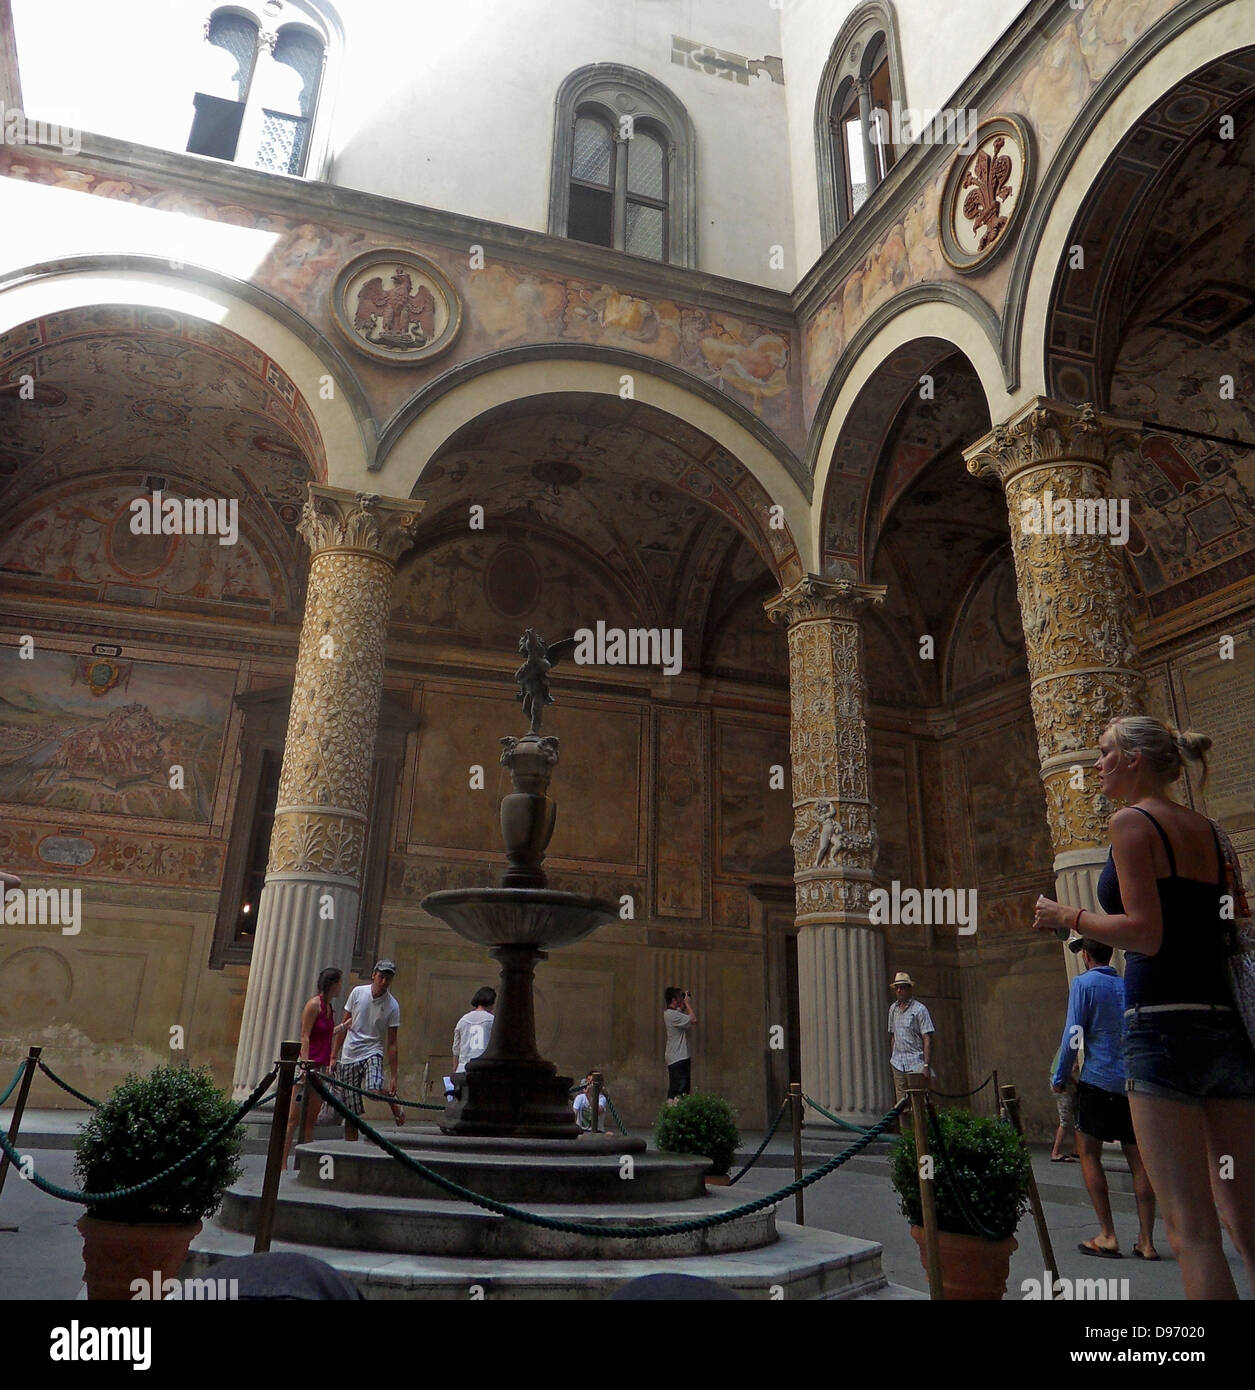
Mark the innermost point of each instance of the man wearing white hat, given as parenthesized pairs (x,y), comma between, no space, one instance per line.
(911,1028)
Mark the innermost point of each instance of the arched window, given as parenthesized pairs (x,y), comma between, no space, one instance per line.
(258,93)
(853,114)
(623,172)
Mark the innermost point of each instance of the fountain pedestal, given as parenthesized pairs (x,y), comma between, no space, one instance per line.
(511,1090)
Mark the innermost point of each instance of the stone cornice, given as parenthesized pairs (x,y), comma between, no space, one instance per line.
(308,200)
(812,598)
(334,519)
(1046,432)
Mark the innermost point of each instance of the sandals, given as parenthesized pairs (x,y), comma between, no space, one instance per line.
(1099,1254)
(1064,1158)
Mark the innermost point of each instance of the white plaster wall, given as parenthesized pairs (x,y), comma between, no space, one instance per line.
(941,44)
(451,105)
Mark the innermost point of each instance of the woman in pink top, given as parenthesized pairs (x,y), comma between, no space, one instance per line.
(318,1030)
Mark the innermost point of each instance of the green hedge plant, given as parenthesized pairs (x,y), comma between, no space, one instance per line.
(146,1124)
(985,1158)
(700,1124)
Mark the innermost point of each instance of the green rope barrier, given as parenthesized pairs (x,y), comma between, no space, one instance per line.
(65,1085)
(384,1096)
(836,1119)
(614,1114)
(775,1125)
(581,1228)
(94,1199)
(963,1095)
(17,1076)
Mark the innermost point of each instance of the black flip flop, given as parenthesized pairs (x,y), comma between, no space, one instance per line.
(1099,1254)
(1150,1259)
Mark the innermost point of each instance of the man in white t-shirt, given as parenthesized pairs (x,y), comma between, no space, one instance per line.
(911,1029)
(472,1030)
(373,1016)
(678,1018)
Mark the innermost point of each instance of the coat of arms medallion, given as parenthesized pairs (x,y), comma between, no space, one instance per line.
(396,307)
(988,183)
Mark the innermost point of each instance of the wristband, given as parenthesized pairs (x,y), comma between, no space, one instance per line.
(1076,926)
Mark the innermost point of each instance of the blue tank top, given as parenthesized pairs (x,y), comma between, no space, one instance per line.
(1189,967)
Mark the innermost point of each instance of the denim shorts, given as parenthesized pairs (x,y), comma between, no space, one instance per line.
(1188,1055)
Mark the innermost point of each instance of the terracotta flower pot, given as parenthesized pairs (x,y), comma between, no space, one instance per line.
(116,1253)
(971,1266)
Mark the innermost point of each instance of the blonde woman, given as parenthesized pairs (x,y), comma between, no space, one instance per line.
(1189,1066)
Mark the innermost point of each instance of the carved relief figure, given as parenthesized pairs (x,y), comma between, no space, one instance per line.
(404,319)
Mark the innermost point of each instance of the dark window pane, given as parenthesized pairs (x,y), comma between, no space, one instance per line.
(215,127)
(644,231)
(647,166)
(591,217)
(593,156)
(230,69)
(301,54)
(259,846)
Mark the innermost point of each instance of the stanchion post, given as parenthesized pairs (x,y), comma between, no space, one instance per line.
(288,1054)
(596,1100)
(997,1095)
(927,1194)
(1012,1103)
(15,1124)
(795,1113)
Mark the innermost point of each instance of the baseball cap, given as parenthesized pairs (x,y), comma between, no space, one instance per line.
(385,967)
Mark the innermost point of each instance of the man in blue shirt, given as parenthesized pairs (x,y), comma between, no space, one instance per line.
(1096,1024)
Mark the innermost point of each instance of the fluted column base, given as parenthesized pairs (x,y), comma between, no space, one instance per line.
(303,925)
(1076,885)
(844,1008)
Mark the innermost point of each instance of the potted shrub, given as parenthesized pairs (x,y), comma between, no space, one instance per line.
(144,1125)
(988,1162)
(701,1124)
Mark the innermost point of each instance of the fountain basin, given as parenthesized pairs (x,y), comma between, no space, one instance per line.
(540,917)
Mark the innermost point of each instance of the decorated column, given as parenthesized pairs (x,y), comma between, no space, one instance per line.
(840,956)
(308,910)
(1076,602)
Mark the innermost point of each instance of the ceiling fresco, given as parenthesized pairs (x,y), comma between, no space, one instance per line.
(125,402)
(664,513)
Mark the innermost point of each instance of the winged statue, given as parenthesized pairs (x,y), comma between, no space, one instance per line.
(533,675)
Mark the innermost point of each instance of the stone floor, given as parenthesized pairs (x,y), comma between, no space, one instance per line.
(40,1249)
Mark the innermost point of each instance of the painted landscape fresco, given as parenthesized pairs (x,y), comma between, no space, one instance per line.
(89,734)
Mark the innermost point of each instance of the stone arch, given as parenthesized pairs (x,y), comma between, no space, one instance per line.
(427,424)
(933,326)
(342,430)
(1194,36)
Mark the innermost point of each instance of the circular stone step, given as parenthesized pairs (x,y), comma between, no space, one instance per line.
(406,1226)
(598,1172)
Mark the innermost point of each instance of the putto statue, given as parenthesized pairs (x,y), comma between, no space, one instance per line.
(533,675)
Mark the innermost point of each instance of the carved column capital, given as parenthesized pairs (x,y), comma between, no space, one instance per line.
(812,599)
(1047,433)
(333,519)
